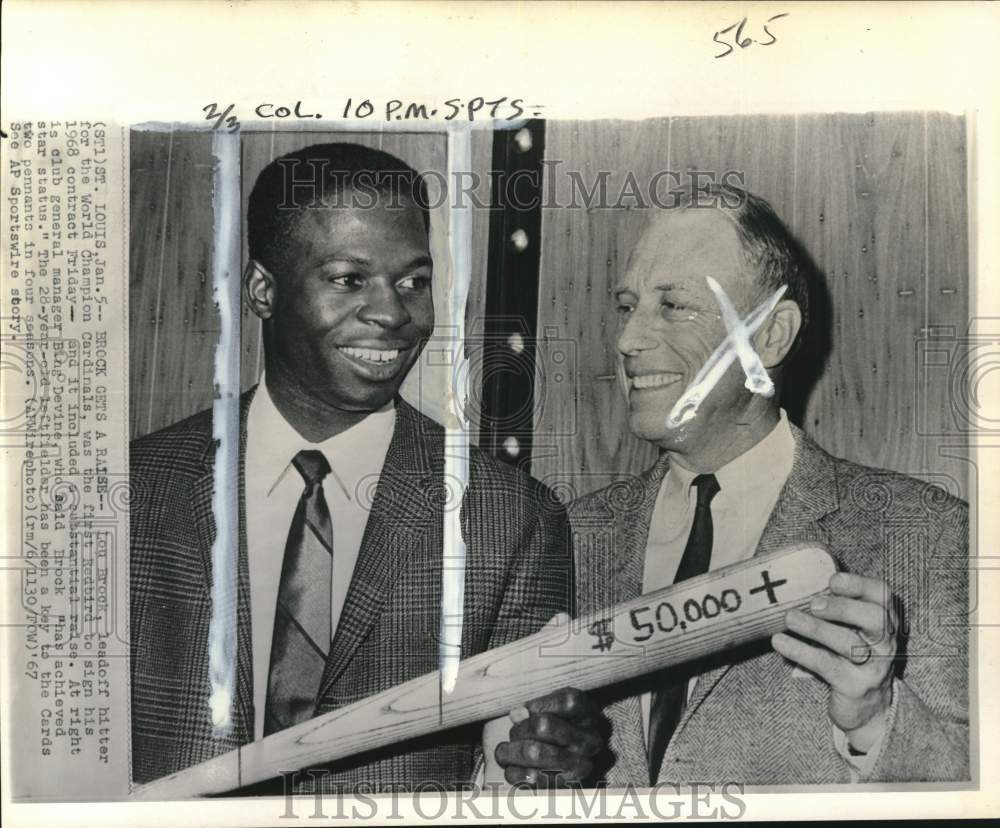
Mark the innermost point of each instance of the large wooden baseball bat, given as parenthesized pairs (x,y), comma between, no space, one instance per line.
(699,617)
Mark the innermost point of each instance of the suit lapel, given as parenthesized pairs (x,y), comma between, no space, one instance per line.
(807,499)
(401,512)
(244,660)
(205,527)
(632,526)
(628,739)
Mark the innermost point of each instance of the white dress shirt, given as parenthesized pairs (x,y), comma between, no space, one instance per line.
(273,489)
(749,487)
(748,492)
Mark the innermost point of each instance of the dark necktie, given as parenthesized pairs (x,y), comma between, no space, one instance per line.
(301,638)
(668,701)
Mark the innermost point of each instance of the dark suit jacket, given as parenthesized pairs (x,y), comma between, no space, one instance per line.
(518,575)
(751,718)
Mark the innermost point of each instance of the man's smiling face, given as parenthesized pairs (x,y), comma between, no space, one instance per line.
(352,302)
(669,321)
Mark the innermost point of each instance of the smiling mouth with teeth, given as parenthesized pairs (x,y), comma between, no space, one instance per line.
(376,356)
(655,380)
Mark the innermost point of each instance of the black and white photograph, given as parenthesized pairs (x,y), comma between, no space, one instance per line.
(709,339)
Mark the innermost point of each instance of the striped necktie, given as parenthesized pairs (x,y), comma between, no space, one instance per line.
(301,639)
(668,701)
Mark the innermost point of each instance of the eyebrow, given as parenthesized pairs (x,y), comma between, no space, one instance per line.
(422,260)
(665,287)
(355,260)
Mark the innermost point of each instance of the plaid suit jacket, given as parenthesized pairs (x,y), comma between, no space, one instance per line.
(752,717)
(518,575)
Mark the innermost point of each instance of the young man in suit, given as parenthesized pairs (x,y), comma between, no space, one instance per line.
(341,519)
(871,684)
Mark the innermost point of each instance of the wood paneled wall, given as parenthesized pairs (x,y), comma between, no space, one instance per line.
(880,203)
(173,323)
(173,326)
(878,200)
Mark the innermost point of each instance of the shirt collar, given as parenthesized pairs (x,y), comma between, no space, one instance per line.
(767,462)
(353,454)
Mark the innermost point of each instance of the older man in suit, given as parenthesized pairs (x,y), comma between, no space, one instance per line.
(341,518)
(869,685)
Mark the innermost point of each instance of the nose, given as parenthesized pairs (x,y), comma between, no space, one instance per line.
(384,307)
(633,336)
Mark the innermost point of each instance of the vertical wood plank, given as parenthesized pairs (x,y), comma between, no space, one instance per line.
(149,174)
(861,213)
(759,148)
(479,201)
(189,326)
(945,416)
(173,326)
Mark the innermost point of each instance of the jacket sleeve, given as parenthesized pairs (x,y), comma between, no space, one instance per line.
(539,585)
(929,737)
(540,581)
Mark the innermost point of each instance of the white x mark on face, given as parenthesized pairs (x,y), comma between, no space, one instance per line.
(757,379)
(736,345)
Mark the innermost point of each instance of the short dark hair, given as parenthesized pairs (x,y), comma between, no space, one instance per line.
(773,253)
(313,176)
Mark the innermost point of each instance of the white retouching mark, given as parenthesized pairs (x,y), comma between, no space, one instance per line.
(225,430)
(456,455)
(757,380)
(718,363)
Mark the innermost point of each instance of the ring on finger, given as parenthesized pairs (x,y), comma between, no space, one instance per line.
(868,652)
(862,661)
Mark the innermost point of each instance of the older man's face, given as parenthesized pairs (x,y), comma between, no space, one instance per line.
(669,321)
(353,303)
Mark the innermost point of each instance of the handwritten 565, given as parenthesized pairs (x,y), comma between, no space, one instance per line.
(743,41)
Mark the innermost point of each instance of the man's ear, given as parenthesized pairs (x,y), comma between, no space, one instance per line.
(774,341)
(259,289)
